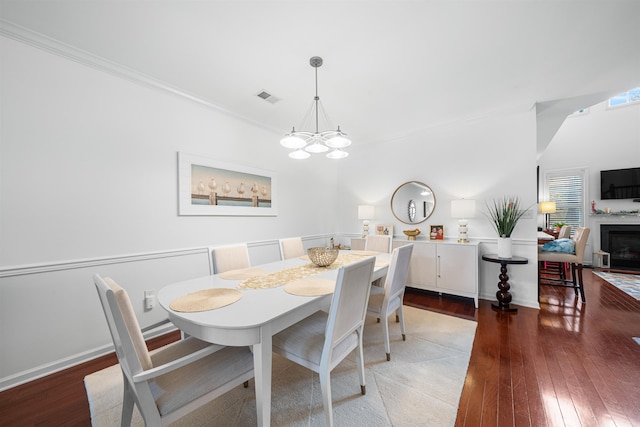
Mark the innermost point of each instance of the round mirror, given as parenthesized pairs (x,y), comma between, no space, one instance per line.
(413,202)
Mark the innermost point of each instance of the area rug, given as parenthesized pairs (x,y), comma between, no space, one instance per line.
(628,283)
(420,386)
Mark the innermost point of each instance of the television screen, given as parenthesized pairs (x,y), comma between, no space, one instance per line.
(620,184)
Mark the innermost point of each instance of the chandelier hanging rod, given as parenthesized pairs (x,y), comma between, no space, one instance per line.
(305,142)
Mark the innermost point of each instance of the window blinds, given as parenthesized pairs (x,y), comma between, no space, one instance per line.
(568,193)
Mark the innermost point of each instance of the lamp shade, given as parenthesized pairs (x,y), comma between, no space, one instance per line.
(547,207)
(365,212)
(463,208)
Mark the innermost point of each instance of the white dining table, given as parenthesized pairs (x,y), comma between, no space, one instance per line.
(252,320)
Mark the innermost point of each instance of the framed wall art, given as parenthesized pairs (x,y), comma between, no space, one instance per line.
(210,187)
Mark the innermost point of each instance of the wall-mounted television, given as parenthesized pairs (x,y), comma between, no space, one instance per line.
(620,184)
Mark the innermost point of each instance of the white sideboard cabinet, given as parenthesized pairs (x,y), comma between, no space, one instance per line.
(444,266)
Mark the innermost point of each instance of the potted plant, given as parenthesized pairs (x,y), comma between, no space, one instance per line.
(558,225)
(504,215)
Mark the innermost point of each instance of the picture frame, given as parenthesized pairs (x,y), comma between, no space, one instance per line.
(208,186)
(384,229)
(436,232)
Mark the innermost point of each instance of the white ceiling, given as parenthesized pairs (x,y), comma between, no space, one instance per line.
(390,68)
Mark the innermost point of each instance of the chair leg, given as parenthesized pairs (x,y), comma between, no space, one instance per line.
(325,386)
(574,278)
(385,331)
(360,363)
(400,316)
(127,404)
(581,283)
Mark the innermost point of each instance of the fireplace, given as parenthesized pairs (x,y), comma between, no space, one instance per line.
(622,241)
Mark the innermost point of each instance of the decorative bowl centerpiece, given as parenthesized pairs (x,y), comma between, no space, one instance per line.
(322,257)
(411,234)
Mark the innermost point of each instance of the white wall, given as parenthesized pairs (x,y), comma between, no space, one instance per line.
(89,166)
(604,138)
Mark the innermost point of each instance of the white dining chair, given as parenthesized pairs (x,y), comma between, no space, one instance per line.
(387,300)
(173,381)
(378,243)
(321,341)
(226,258)
(291,248)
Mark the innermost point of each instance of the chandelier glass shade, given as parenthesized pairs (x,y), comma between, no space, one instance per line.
(305,143)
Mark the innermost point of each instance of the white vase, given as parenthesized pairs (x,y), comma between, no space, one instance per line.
(504,247)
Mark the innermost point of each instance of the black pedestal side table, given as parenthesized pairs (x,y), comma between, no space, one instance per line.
(503,294)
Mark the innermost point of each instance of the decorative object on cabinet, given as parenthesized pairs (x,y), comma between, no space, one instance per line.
(365,213)
(413,202)
(194,171)
(504,215)
(437,232)
(322,257)
(547,208)
(411,234)
(305,142)
(463,209)
(384,229)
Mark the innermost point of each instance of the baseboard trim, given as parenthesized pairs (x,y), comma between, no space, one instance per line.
(77,359)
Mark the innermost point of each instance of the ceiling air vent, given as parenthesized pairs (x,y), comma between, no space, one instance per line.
(268,97)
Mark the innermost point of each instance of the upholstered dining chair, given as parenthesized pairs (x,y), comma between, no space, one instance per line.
(575,260)
(227,258)
(173,381)
(291,248)
(559,268)
(378,243)
(321,341)
(385,301)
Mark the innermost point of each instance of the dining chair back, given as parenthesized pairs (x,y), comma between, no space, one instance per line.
(291,248)
(378,243)
(226,258)
(575,260)
(565,232)
(321,341)
(388,300)
(170,382)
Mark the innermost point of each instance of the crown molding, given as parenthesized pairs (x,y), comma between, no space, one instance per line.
(56,47)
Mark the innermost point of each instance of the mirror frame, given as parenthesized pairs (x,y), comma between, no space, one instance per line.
(405,208)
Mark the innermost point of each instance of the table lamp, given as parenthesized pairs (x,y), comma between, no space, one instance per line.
(365,213)
(547,208)
(463,209)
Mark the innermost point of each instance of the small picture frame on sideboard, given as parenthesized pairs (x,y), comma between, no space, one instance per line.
(436,232)
(384,229)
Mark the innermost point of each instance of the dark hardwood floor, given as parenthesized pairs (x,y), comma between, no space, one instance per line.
(567,364)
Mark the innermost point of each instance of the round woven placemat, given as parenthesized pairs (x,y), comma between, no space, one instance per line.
(310,287)
(207,299)
(242,274)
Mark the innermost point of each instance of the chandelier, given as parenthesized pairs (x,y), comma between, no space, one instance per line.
(305,143)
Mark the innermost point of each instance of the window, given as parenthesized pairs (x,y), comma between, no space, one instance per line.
(567,189)
(625,98)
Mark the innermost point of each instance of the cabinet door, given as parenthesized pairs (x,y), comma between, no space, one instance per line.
(422,268)
(456,268)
